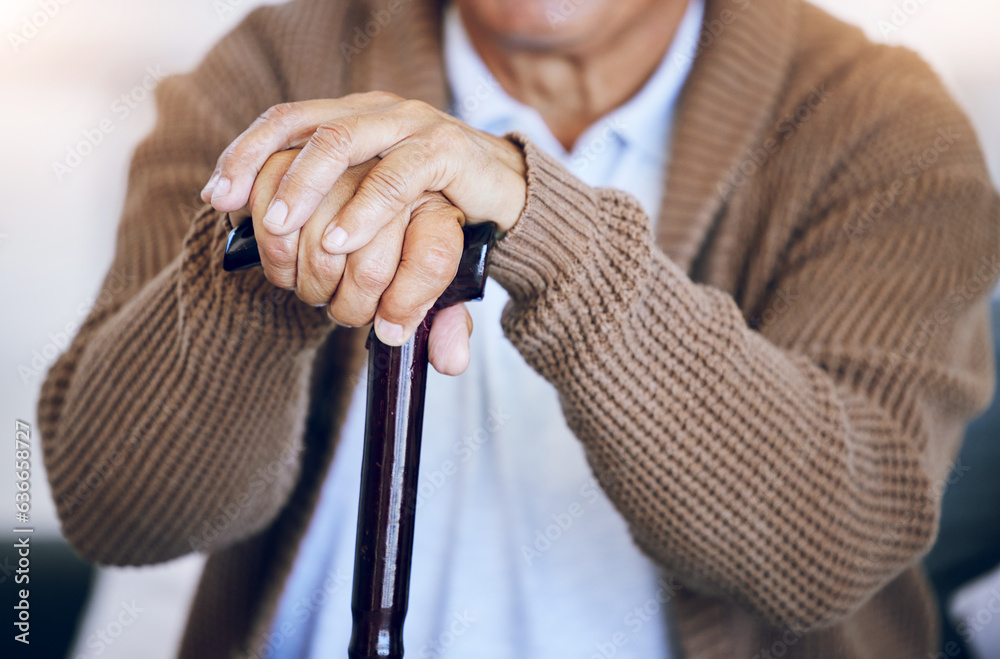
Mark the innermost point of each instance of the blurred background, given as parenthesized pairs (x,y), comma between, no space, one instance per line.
(68,67)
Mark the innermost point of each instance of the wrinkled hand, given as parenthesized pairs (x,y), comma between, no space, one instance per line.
(303,231)
(400,273)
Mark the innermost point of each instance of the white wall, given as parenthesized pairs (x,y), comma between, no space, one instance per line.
(57,233)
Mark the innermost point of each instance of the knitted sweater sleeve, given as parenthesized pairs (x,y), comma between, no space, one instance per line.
(174,420)
(794,469)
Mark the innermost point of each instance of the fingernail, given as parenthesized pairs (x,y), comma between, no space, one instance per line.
(222,188)
(389,332)
(335,239)
(276,214)
(210,185)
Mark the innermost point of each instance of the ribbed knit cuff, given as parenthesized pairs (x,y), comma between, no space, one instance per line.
(244,301)
(553,236)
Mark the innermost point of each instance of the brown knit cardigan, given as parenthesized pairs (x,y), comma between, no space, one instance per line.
(771,388)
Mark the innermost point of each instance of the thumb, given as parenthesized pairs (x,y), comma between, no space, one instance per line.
(448,344)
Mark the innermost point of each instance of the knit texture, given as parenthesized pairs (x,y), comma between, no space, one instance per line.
(770,389)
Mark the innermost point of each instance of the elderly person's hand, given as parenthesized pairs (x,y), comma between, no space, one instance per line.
(421,150)
(402,270)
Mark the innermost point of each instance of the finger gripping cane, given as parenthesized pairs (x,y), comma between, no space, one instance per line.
(397,382)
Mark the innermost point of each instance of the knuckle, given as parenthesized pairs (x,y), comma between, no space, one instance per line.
(296,179)
(321,267)
(386,184)
(403,309)
(372,276)
(333,139)
(384,97)
(230,154)
(282,113)
(413,106)
(276,255)
(448,136)
(439,205)
(437,264)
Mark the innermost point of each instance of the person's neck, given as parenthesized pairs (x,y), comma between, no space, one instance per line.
(573,88)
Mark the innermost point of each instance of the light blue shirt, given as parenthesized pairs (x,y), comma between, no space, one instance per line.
(517,552)
(627,149)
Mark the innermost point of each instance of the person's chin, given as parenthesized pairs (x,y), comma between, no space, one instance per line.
(538,24)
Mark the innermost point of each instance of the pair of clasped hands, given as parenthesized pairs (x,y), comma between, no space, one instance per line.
(358,204)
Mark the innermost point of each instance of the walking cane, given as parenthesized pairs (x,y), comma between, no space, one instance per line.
(397,382)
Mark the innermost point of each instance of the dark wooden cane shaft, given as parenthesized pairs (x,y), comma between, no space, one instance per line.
(397,383)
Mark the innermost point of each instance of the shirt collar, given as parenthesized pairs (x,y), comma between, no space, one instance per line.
(643,122)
